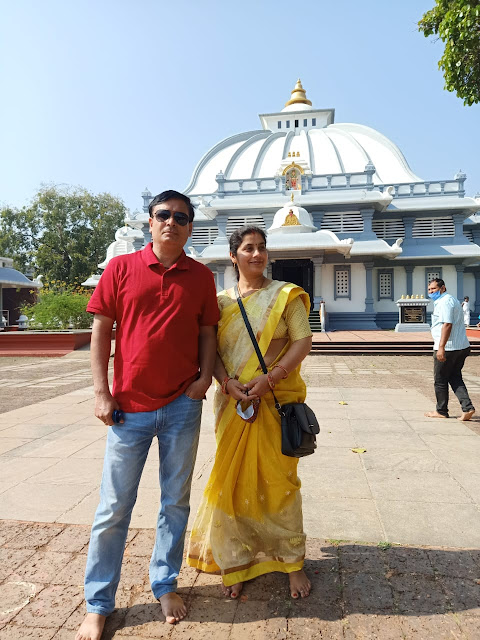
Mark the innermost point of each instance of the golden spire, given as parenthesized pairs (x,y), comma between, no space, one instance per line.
(298,95)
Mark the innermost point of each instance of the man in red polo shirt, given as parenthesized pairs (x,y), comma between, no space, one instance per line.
(165,307)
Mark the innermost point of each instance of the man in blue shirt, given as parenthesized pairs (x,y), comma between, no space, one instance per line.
(450,349)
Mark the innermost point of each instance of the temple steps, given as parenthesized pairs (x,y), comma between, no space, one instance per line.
(387,347)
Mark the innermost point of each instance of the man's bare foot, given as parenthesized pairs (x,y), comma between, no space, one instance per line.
(173,607)
(92,627)
(466,415)
(434,414)
(299,584)
(232,592)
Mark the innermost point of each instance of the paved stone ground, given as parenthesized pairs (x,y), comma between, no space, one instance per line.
(418,484)
(359,591)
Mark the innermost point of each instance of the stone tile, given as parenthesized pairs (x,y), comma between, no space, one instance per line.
(42,567)
(381,440)
(360,558)
(381,426)
(8,445)
(345,438)
(35,536)
(142,544)
(254,620)
(469,481)
(469,461)
(70,471)
(17,632)
(343,519)
(417,595)
(464,595)
(15,470)
(440,427)
(469,626)
(134,572)
(445,445)
(51,501)
(321,556)
(72,573)
(438,627)
(313,628)
(424,461)
(11,559)
(209,585)
(51,607)
(81,512)
(9,529)
(334,483)
(416,486)
(72,539)
(367,593)
(420,523)
(94,450)
(408,560)
(459,563)
(374,627)
(31,430)
(207,618)
(61,448)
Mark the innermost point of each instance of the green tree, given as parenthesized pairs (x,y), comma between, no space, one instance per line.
(457,24)
(63,234)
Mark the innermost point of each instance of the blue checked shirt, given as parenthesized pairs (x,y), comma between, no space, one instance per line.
(448,309)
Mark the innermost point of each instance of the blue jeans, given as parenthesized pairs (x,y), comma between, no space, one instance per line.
(177,427)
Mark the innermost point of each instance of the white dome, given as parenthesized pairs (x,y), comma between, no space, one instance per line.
(331,149)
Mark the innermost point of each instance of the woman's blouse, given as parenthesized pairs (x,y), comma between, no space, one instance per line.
(293,323)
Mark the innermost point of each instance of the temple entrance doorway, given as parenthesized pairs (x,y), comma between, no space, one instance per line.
(297,271)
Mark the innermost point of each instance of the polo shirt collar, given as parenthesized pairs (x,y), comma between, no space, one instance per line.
(150,258)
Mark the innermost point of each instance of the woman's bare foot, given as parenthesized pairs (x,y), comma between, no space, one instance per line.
(92,627)
(434,414)
(173,607)
(232,592)
(466,415)
(300,585)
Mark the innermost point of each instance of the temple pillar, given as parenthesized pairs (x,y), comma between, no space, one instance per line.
(367,233)
(460,269)
(317,281)
(477,294)
(409,271)
(369,287)
(220,276)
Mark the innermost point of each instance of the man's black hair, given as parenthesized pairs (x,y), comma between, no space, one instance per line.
(439,281)
(170,194)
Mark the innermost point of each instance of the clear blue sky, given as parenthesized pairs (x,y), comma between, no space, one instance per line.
(116,95)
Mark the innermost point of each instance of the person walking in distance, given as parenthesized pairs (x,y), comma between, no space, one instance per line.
(165,307)
(450,349)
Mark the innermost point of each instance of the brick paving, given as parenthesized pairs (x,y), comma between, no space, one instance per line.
(359,591)
(417,479)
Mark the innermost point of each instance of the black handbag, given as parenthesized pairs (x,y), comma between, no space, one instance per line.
(299,424)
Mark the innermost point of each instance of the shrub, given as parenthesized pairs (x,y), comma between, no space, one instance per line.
(59,306)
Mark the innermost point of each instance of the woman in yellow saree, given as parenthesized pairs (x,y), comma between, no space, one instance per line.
(250,519)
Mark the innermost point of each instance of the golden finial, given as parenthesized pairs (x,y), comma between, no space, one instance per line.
(289,154)
(298,154)
(299,95)
(291,197)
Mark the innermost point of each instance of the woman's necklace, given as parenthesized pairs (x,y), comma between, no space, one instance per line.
(242,295)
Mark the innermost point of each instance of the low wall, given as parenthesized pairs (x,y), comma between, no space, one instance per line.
(42,343)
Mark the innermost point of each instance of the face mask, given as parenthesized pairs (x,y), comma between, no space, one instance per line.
(435,295)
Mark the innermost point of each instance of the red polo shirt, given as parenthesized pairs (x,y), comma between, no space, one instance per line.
(158,313)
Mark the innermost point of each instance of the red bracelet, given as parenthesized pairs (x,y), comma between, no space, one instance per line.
(280,366)
(271,381)
(226,380)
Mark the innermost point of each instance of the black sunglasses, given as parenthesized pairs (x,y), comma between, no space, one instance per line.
(164,214)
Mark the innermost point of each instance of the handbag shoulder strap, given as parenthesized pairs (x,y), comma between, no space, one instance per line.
(255,343)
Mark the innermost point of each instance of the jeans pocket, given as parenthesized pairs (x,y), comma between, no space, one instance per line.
(193,399)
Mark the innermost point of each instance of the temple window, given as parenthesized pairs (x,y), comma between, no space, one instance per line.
(342,282)
(296,123)
(203,235)
(343,222)
(385,284)
(287,124)
(235,222)
(442,227)
(305,122)
(279,124)
(389,229)
(314,122)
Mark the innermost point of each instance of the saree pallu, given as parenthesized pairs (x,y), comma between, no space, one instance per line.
(250,519)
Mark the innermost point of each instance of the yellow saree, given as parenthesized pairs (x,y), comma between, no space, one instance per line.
(250,519)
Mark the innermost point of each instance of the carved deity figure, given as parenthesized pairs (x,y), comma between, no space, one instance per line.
(290,219)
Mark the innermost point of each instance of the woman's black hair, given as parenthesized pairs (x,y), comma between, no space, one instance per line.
(236,240)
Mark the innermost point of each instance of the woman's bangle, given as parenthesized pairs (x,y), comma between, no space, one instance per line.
(271,381)
(226,380)
(280,366)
